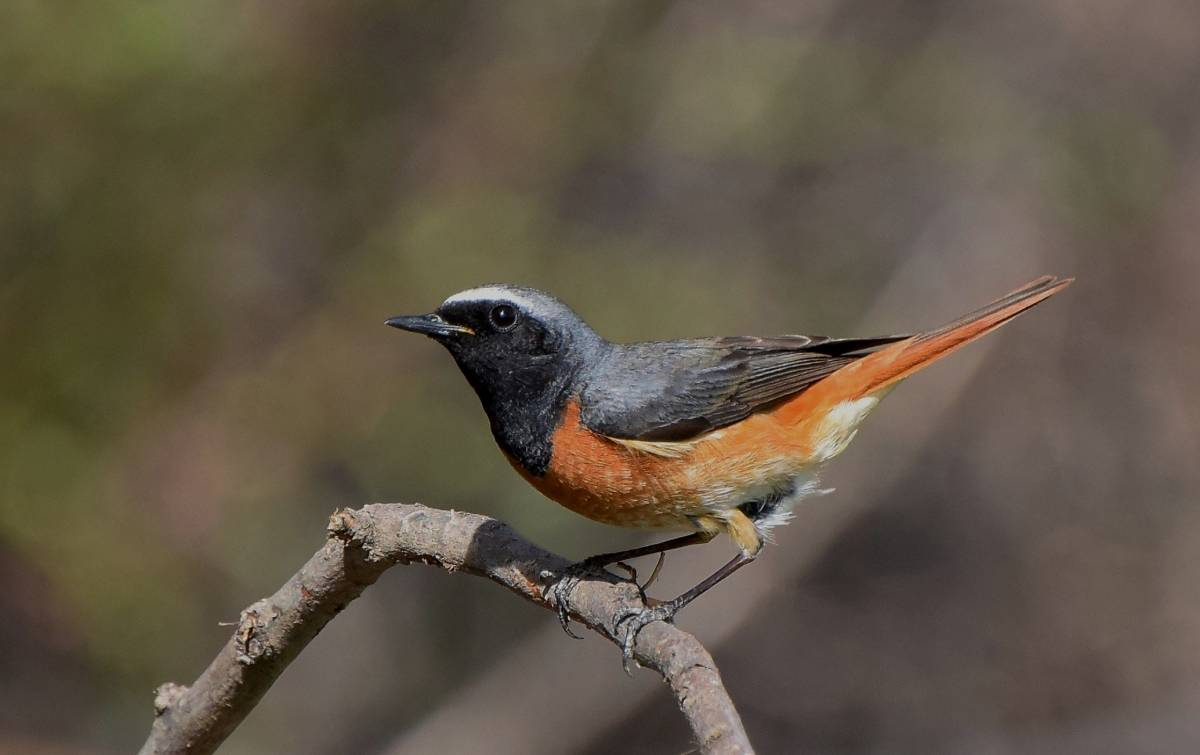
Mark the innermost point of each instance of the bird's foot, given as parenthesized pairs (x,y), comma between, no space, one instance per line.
(631,623)
(559,592)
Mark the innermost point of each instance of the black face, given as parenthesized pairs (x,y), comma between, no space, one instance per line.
(502,337)
(521,353)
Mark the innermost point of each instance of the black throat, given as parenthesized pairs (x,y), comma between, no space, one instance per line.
(525,407)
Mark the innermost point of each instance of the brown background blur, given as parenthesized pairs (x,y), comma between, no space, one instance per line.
(208,209)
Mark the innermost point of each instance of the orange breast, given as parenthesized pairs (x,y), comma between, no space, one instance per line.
(609,482)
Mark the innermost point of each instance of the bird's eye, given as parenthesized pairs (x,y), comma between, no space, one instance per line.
(503,316)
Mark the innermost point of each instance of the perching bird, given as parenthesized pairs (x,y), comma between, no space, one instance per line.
(707,436)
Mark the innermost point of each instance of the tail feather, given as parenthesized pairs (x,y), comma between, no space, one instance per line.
(891,364)
(1028,295)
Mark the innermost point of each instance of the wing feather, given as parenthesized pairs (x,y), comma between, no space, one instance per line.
(653,397)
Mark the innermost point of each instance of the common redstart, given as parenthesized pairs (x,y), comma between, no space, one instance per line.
(708,435)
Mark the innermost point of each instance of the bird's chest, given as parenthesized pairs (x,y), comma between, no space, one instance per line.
(612,482)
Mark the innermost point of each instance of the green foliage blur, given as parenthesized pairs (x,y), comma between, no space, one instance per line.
(207,210)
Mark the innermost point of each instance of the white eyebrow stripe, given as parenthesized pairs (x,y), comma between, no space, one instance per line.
(492,293)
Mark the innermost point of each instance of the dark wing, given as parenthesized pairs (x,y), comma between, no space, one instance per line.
(676,390)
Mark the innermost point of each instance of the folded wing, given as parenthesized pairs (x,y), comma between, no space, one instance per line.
(675,391)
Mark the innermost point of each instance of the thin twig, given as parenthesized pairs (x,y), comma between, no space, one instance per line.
(364,543)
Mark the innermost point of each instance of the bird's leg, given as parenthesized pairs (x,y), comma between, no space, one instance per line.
(618,558)
(658,565)
(561,590)
(631,623)
(606,559)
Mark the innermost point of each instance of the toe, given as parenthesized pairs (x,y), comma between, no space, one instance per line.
(559,594)
(629,625)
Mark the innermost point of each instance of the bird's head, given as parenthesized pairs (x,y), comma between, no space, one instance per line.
(507,339)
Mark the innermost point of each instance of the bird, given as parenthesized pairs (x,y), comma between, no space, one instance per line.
(702,436)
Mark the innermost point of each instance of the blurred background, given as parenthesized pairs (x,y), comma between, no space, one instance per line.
(207,210)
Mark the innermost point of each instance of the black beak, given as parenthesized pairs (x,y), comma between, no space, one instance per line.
(431,325)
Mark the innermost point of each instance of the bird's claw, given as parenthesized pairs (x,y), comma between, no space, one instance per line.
(630,623)
(559,592)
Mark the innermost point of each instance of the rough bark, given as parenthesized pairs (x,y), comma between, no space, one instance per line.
(364,543)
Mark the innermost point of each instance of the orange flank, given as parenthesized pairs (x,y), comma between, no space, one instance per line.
(697,486)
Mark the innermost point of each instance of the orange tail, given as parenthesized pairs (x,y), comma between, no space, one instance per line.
(893,363)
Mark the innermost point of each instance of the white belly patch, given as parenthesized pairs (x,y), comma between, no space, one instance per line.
(838,427)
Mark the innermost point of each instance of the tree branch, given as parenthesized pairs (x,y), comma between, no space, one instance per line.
(362,545)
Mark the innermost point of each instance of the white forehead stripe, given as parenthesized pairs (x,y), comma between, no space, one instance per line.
(492,293)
